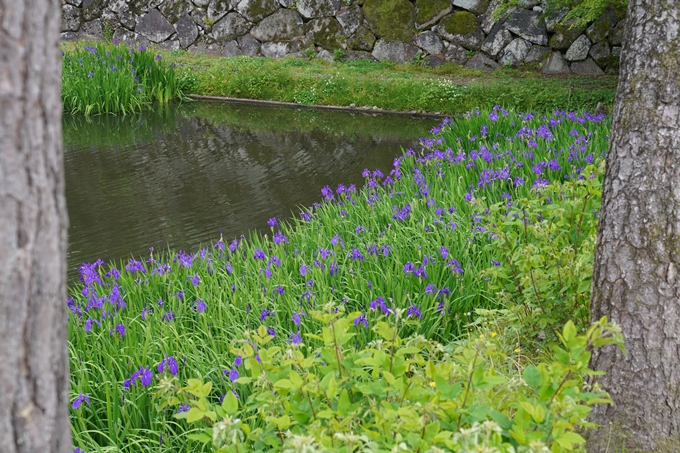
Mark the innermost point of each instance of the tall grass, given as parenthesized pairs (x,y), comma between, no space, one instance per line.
(415,239)
(105,78)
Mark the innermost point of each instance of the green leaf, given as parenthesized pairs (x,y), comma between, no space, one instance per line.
(569,332)
(500,418)
(532,376)
(283,384)
(194,415)
(343,402)
(230,403)
(200,437)
(478,376)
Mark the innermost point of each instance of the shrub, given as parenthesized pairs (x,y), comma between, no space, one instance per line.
(325,394)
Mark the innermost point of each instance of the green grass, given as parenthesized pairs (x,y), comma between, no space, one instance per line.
(420,237)
(449,89)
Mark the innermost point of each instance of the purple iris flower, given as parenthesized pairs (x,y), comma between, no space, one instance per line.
(145,376)
(265,313)
(170,363)
(413,311)
(259,254)
(194,279)
(296,318)
(303,269)
(361,319)
(238,360)
(272,222)
(200,305)
(183,408)
(295,338)
(233,374)
(168,316)
(271,331)
(279,238)
(80,399)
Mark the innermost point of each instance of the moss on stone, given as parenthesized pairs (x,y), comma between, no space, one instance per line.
(393,20)
(327,33)
(257,10)
(460,23)
(362,39)
(428,9)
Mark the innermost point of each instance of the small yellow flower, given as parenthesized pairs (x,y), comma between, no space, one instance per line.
(432,384)
(493,334)
(481,336)
(517,350)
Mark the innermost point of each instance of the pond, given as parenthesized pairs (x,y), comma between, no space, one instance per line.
(179,177)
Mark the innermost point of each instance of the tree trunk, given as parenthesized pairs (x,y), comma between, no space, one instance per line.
(635,280)
(34,374)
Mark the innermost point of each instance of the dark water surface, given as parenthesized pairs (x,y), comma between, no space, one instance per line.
(178,177)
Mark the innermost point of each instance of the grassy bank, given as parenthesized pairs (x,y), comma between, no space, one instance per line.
(497,211)
(449,89)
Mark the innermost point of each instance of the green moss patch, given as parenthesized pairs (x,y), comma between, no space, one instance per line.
(461,23)
(393,20)
(428,9)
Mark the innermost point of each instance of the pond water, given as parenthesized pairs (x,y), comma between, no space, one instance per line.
(178,177)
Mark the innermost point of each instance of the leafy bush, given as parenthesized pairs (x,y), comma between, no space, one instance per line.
(412,394)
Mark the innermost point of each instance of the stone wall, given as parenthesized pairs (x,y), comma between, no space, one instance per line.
(458,31)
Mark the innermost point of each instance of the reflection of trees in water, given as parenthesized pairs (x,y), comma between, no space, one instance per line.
(184,182)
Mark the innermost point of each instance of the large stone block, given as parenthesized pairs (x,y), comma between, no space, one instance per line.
(92,9)
(326,32)
(187,31)
(256,10)
(249,45)
(599,29)
(456,54)
(429,12)
(154,26)
(462,28)
(311,9)
(515,52)
(283,25)
(528,25)
(393,20)
(173,10)
(481,62)
(579,49)
(497,40)
(230,27)
(395,51)
(616,33)
(231,49)
(537,54)
(350,19)
(429,42)
(282,49)
(362,39)
(565,34)
(587,67)
(555,64)
(217,9)
(474,6)
(70,18)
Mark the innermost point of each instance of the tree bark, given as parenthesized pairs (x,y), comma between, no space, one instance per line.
(34,374)
(635,280)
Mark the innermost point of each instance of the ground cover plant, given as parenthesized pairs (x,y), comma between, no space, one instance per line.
(449,89)
(107,78)
(490,224)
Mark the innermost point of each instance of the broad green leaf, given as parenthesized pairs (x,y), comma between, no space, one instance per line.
(532,376)
(245,380)
(569,332)
(200,437)
(500,418)
(230,403)
(295,379)
(343,402)
(389,377)
(194,414)
(283,384)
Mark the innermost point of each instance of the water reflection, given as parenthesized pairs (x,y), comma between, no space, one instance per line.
(178,177)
